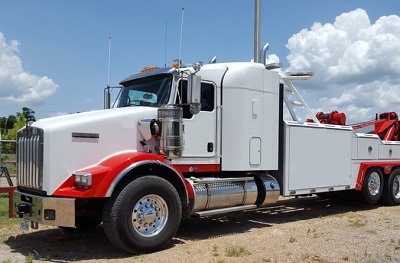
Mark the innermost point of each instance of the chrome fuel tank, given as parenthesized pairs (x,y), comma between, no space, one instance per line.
(230,194)
(216,193)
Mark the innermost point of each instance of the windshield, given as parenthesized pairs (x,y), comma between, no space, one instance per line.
(151,91)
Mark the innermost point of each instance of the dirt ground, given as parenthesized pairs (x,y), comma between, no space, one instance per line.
(294,230)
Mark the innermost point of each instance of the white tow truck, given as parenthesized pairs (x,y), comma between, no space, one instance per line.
(196,141)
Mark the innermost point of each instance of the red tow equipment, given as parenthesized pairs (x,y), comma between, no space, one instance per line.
(335,118)
(386,126)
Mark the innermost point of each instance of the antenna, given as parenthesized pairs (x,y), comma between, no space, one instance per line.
(107,89)
(109,61)
(165,44)
(180,44)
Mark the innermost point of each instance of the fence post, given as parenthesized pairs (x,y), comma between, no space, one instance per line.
(1,146)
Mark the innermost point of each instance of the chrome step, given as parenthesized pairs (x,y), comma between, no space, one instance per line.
(225,210)
(220,180)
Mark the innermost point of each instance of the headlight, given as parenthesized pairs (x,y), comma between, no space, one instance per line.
(83,180)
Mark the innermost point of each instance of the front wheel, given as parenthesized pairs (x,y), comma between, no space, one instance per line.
(391,190)
(144,216)
(373,186)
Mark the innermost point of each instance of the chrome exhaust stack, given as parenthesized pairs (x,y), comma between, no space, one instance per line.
(170,119)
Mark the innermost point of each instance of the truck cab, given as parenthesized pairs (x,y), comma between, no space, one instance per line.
(212,137)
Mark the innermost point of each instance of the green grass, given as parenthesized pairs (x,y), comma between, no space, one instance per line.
(9,161)
(8,157)
(236,251)
(29,258)
(4,220)
(371,231)
(215,250)
(266,260)
(357,223)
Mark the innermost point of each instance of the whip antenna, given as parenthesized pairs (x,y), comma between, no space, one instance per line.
(180,44)
(109,61)
(107,95)
(165,44)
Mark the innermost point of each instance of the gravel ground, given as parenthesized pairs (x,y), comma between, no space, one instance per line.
(294,230)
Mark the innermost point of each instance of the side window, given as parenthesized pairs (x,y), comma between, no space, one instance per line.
(207,95)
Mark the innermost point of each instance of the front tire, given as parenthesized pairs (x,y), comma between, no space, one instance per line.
(372,186)
(391,190)
(144,216)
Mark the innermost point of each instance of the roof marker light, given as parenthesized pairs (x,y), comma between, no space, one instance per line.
(147,69)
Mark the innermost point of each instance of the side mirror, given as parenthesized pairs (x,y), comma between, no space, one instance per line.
(194,93)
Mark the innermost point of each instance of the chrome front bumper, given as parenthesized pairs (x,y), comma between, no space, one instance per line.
(45,210)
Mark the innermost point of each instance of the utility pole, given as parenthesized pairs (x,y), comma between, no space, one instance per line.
(257,30)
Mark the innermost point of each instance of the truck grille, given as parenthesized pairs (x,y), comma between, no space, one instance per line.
(30,158)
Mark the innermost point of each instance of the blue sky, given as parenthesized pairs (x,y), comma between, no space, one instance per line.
(54,54)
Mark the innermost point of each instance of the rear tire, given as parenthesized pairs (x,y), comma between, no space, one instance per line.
(144,216)
(391,190)
(372,186)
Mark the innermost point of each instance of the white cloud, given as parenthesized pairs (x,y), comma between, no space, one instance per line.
(356,63)
(59,113)
(366,100)
(17,85)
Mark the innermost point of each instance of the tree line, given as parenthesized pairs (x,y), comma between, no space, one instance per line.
(11,124)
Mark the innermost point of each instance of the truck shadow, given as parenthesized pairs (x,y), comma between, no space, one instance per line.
(56,245)
(284,211)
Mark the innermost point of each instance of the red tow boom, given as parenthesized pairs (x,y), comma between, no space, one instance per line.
(386,125)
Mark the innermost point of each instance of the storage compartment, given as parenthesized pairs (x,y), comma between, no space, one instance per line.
(367,148)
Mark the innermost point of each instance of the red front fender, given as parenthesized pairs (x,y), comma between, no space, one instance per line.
(106,174)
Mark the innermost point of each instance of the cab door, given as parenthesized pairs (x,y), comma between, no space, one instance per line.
(200,130)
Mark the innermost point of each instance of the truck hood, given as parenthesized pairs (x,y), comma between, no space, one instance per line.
(76,141)
(76,119)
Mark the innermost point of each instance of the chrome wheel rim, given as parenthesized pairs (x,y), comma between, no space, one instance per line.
(374,183)
(396,187)
(150,215)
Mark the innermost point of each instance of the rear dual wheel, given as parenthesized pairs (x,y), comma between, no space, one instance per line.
(144,216)
(391,191)
(372,188)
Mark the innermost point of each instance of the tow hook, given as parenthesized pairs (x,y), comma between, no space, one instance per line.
(24,208)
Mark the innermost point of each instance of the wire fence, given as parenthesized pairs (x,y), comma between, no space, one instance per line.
(8,162)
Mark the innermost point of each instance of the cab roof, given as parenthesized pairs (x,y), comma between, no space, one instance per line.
(147,74)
